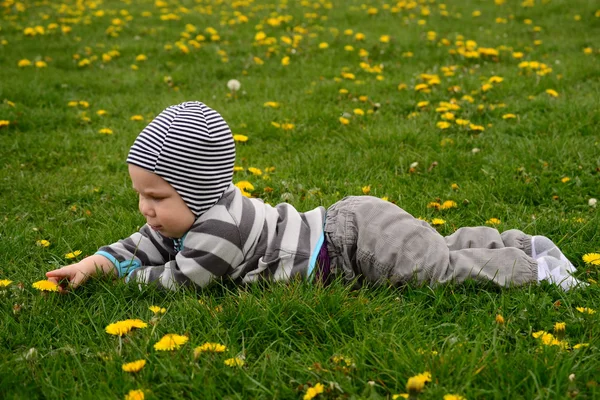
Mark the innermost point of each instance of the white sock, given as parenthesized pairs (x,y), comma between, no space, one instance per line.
(542,246)
(556,271)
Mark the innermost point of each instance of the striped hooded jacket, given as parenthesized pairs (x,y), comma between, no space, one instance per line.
(240,238)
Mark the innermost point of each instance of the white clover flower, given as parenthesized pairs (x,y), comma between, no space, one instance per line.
(592,202)
(234,85)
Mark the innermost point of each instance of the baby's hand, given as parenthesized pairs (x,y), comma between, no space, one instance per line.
(77,274)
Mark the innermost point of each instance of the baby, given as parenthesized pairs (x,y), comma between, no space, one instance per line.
(200,227)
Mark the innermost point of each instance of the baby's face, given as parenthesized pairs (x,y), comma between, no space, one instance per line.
(163,207)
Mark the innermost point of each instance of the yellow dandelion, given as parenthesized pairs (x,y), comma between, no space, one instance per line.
(101,113)
(137,117)
(366,189)
(493,221)
(285,61)
(234,362)
(462,122)
(4,282)
(417,383)
(254,171)
(134,366)
(323,45)
(121,328)
(591,258)
(384,38)
(240,138)
(448,204)
(136,394)
(499,319)
(73,254)
(40,64)
(209,348)
(454,397)
(105,131)
(24,63)
(495,79)
(170,341)
(344,120)
(585,310)
(552,92)
(271,104)
(581,345)
(4,122)
(478,128)
(509,116)
(45,286)
(443,125)
(244,186)
(43,243)
(359,111)
(437,221)
(454,186)
(565,179)
(141,57)
(157,309)
(359,36)
(313,391)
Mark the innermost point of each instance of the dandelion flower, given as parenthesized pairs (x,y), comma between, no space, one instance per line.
(565,179)
(135,395)
(43,243)
(255,171)
(314,391)
(244,186)
(137,118)
(45,286)
(417,382)
(157,309)
(552,92)
(499,319)
(323,45)
(344,121)
(209,348)
(443,125)
(271,104)
(509,116)
(134,366)
(4,283)
(585,310)
(234,85)
(454,397)
(493,221)
(462,122)
(170,341)
(581,345)
(73,254)
(141,57)
(105,131)
(448,204)
(438,221)
(240,138)
(366,189)
(384,38)
(24,63)
(121,328)
(234,362)
(4,122)
(285,61)
(591,258)
(40,64)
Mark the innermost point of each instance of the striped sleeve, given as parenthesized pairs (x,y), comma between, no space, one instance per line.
(142,248)
(211,249)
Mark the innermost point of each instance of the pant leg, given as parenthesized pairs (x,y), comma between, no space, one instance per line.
(488,238)
(379,242)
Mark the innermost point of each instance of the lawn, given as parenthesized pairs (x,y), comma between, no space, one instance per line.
(463,113)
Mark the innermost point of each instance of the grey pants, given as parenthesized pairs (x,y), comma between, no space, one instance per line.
(376,241)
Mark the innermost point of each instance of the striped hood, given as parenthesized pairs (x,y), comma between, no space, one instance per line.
(191,147)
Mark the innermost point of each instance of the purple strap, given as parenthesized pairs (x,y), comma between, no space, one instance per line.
(323,263)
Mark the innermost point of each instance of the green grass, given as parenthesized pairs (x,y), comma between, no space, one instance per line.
(64,182)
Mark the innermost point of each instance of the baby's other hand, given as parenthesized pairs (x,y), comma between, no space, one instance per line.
(76,274)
